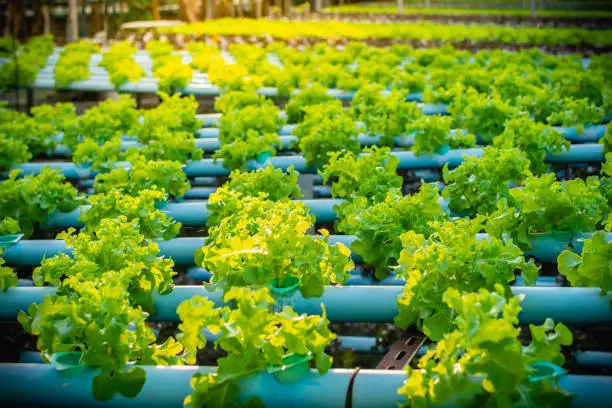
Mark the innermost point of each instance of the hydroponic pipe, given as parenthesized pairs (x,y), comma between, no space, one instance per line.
(356,279)
(367,304)
(195,214)
(41,385)
(584,153)
(30,252)
(363,344)
(98,82)
(209,142)
(589,135)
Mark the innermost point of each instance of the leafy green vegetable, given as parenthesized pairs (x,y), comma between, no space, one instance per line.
(23,66)
(175,113)
(12,151)
(37,136)
(267,183)
(121,65)
(536,140)
(477,184)
(481,360)
(31,199)
(59,115)
(105,294)
(102,157)
(378,227)
(326,128)
(168,145)
(165,175)
(606,141)
(544,204)
(152,222)
(265,240)
(247,147)
(593,268)
(385,115)
(371,175)
(103,122)
(254,338)
(576,112)
(452,257)
(230,102)
(8,277)
(481,115)
(261,119)
(433,133)
(310,96)
(73,63)
(172,73)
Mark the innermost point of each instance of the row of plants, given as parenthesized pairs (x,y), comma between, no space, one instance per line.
(410,31)
(168,68)
(249,125)
(252,220)
(526,78)
(457,290)
(388,9)
(73,63)
(120,63)
(516,76)
(24,61)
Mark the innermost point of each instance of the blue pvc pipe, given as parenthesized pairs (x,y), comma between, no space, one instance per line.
(364,344)
(193,214)
(367,304)
(181,250)
(200,274)
(407,161)
(208,139)
(41,385)
(202,193)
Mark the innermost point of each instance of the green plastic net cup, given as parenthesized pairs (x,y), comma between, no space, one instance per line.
(67,363)
(295,367)
(545,370)
(7,241)
(282,292)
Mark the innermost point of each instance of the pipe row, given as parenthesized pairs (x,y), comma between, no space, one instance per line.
(584,153)
(209,142)
(28,253)
(364,304)
(41,385)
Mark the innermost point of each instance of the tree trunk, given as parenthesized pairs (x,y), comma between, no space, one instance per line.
(189,10)
(286,7)
(72,28)
(400,6)
(155,10)
(46,14)
(265,8)
(257,8)
(239,10)
(532,7)
(209,9)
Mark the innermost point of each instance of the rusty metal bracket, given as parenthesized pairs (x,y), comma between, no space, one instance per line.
(402,351)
